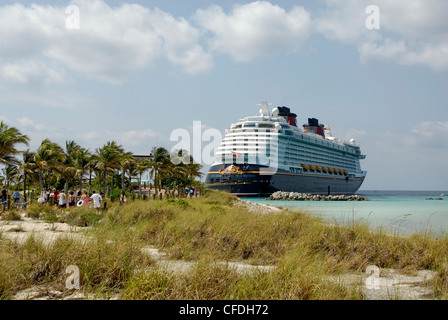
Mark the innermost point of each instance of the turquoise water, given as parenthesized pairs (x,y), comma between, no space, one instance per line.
(396,211)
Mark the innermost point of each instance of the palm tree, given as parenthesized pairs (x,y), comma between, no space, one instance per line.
(126,161)
(142,166)
(92,166)
(69,170)
(71,148)
(77,162)
(28,168)
(83,159)
(10,172)
(166,171)
(187,170)
(179,173)
(192,170)
(49,157)
(10,137)
(108,158)
(159,156)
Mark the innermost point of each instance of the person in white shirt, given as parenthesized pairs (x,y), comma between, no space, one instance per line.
(62,200)
(96,198)
(43,195)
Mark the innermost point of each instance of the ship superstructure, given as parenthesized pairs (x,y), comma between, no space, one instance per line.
(263,154)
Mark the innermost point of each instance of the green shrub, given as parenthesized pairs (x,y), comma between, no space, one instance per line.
(35,210)
(11,215)
(82,217)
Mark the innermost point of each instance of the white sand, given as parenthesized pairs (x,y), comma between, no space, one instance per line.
(48,232)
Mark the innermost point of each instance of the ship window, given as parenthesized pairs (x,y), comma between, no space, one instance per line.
(265,125)
(249,125)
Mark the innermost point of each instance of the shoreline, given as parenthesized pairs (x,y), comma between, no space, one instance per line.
(297,196)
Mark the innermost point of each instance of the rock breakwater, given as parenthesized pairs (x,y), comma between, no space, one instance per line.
(296,196)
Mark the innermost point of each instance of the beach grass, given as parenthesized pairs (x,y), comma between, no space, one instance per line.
(303,249)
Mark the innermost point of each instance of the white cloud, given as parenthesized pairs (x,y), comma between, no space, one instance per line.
(111,43)
(30,72)
(255,29)
(44,99)
(116,41)
(28,123)
(411,32)
(135,137)
(430,134)
(130,139)
(181,42)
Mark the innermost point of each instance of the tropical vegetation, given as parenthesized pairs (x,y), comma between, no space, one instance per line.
(107,168)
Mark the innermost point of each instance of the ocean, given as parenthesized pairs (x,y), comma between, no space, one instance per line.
(398,212)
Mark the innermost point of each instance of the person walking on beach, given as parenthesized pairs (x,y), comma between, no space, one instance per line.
(71,199)
(85,199)
(43,195)
(62,200)
(16,197)
(56,198)
(122,197)
(4,196)
(96,198)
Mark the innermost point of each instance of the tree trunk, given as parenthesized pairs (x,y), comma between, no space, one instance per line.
(104,187)
(140,184)
(90,181)
(24,186)
(155,181)
(41,183)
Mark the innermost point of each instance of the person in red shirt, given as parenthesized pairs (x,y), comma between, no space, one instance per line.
(55,199)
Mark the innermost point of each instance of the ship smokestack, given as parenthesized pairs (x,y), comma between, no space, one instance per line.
(287,115)
(313,126)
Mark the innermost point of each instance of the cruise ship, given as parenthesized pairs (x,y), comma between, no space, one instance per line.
(263,154)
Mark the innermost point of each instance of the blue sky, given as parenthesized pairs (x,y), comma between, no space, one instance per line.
(135,71)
